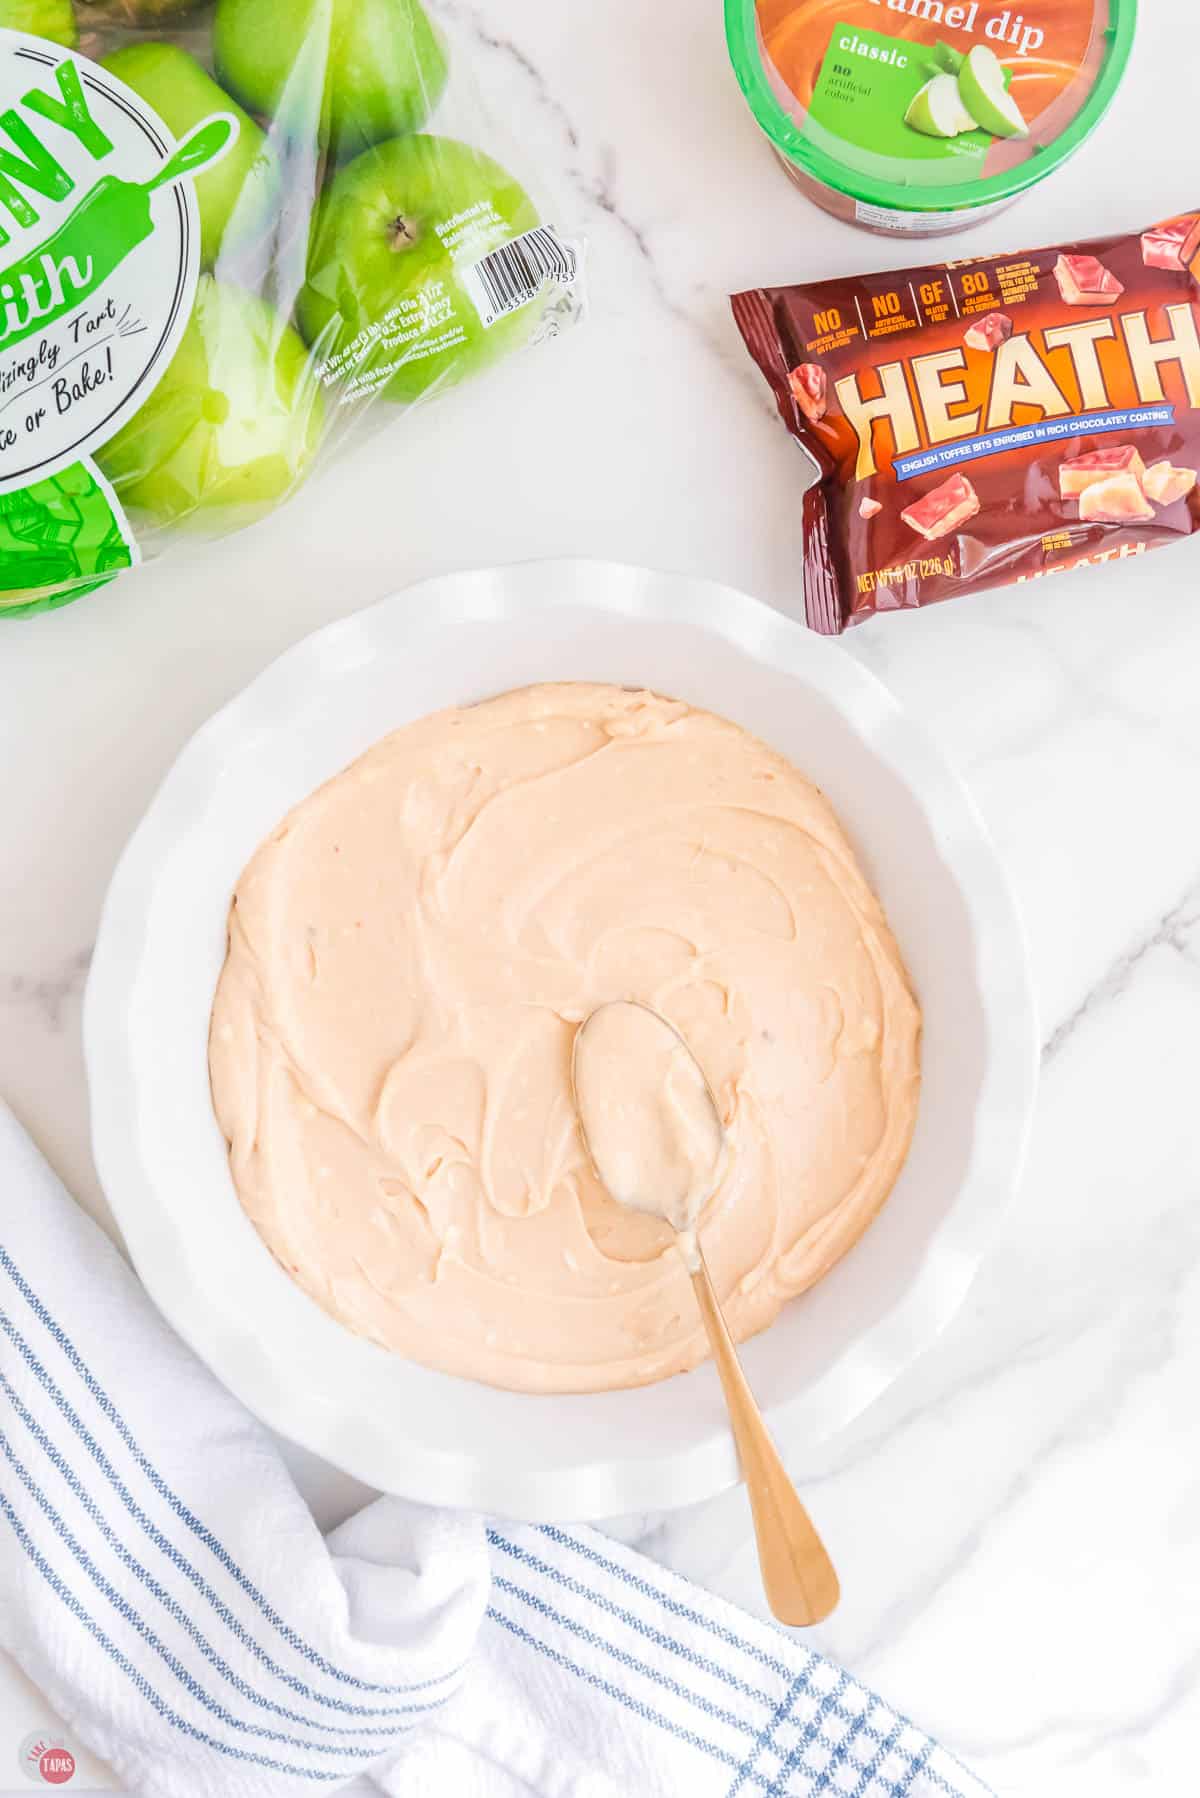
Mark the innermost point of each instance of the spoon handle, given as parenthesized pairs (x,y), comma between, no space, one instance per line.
(798,1576)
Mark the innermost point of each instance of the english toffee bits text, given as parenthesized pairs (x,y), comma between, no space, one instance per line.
(1022,415)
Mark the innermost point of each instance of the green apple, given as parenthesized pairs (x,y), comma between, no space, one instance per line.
(937,109)
(232,426)
(52,19)
(378,244)
(354,72)
(981,82)
(238,196)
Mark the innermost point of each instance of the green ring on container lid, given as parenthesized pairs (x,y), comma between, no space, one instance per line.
(846,171)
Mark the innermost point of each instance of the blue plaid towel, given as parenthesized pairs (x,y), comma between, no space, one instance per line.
(163,1583)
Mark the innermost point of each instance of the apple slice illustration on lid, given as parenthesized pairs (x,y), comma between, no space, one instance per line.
(938,110)
(985,96)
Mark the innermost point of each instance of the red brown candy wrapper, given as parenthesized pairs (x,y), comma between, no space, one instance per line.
(994,420)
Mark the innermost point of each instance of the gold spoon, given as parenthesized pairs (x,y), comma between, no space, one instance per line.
(653,1131)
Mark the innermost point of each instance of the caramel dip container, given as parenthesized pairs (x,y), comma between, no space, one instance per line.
(916,117)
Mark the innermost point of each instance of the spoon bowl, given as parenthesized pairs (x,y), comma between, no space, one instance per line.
(650,1120)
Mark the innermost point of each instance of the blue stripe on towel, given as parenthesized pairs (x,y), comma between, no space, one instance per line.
(140,1684)
(185,1516)
(177,1560)
(639,1624)
(748,1775)
(915,1770)
(125,1610)
(766,1735)
(171,1605)
(629,1661)
(841,1752)
(833,1706)
(883,1749)
(808,1735)
(936,1778)
(664,1598)
(596,1680)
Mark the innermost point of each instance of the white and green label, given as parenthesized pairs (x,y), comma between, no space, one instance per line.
(99,255)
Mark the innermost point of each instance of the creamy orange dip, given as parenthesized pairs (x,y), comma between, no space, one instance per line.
(410,955)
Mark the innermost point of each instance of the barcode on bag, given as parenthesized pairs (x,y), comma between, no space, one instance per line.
(514,274)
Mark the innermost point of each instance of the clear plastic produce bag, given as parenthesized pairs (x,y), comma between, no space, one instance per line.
(231,234)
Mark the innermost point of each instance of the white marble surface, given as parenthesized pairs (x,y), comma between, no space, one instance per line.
(1018,1524)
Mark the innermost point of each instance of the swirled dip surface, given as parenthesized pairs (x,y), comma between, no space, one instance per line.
(409,957)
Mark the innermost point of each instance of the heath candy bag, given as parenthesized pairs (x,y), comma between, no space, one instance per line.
(987,421)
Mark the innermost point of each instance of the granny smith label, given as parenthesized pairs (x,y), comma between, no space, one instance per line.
(865,96)
(99,253)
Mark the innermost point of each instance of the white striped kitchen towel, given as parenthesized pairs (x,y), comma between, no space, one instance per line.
(163,1583)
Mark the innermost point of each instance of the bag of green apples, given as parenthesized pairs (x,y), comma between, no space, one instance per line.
(227,228)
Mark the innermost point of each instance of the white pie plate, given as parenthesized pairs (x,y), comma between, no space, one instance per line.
(162,940)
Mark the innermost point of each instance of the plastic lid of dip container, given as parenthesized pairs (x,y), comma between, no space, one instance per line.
(923,113)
